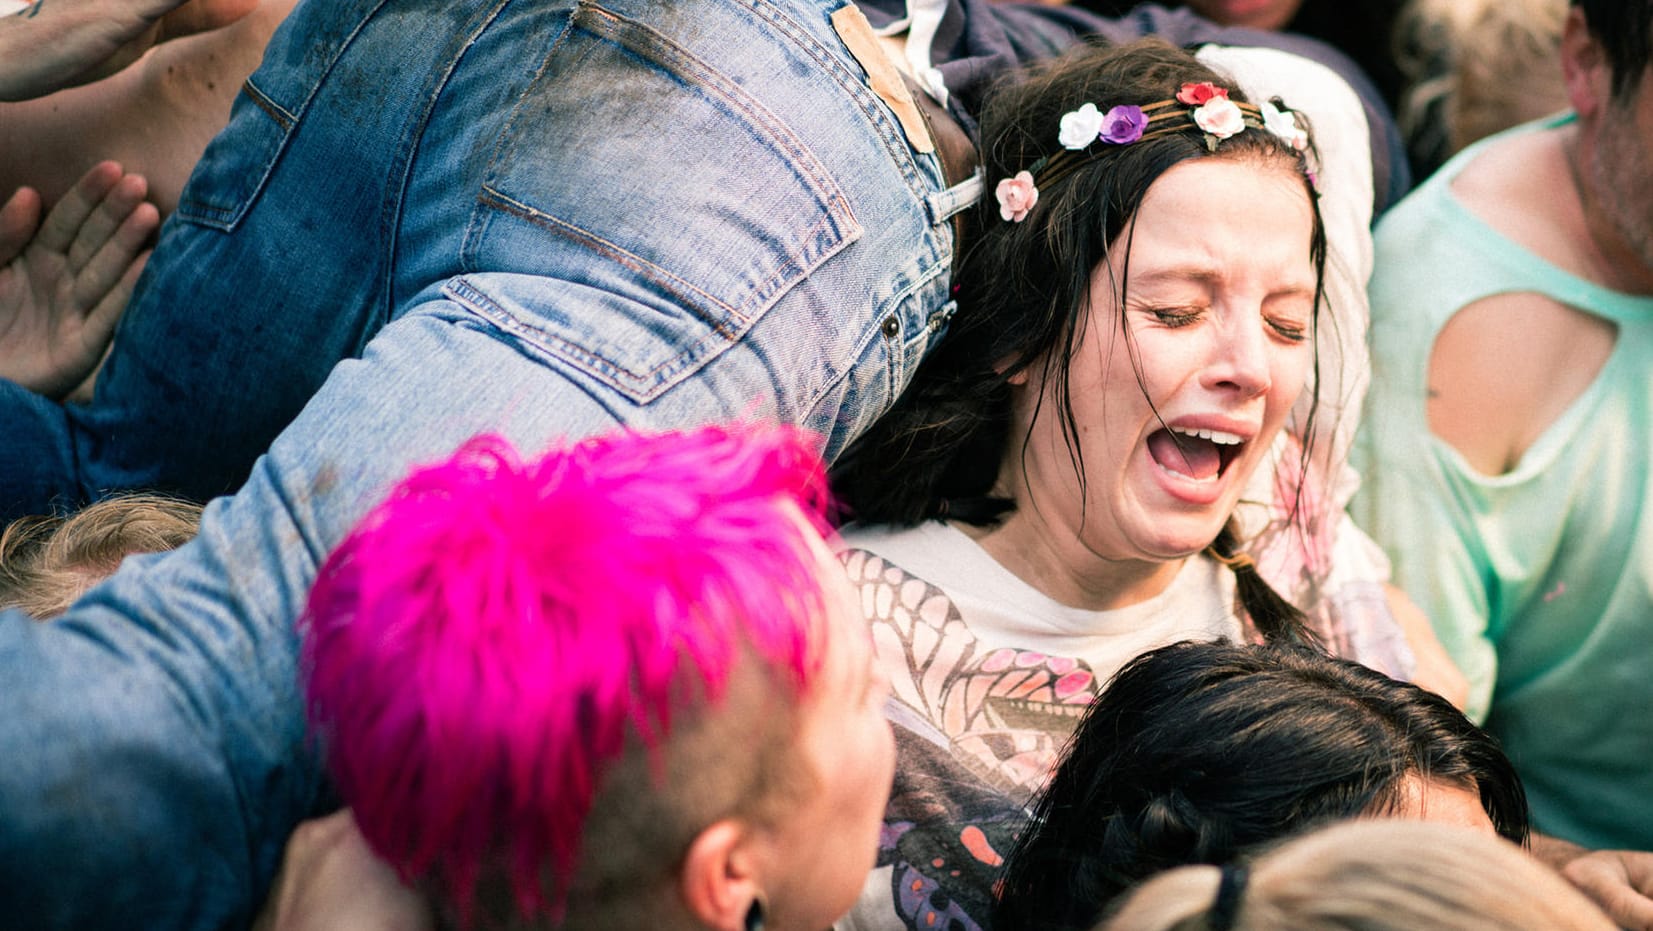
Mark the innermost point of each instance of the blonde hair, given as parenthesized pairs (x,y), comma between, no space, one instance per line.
(47,562)
(1373,875)
(1477,67)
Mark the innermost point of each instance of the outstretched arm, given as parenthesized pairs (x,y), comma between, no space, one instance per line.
(53,44)
(65,281)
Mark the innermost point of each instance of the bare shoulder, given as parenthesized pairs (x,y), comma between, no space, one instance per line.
(1505,368)
(1523,187)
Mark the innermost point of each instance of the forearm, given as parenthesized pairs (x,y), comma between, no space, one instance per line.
(1435,670)
(120,805)
(155,118)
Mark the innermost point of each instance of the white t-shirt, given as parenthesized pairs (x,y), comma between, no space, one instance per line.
(989,677)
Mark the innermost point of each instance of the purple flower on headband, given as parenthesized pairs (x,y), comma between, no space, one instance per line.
(1123,124)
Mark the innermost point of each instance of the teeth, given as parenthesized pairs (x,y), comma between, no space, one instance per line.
(1215,436)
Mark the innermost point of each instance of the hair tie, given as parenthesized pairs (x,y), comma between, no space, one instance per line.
(1230,889)
(1239,562)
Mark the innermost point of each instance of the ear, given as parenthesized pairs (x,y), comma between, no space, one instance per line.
(1585,70)
(720,880)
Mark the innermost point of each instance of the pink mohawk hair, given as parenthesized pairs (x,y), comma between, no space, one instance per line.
(481,645)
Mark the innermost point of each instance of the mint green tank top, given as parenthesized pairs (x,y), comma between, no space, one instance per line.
(1540,580)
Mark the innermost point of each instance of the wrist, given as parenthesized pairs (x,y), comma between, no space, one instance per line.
(1555,852)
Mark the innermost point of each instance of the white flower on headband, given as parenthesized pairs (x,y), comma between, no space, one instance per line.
(1080,127)
(1220,117)
(1283,123)
(1016,196)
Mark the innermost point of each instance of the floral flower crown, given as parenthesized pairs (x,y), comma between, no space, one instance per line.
(1214,114)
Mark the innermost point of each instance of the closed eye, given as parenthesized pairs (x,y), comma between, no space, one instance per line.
(1296,332)
(1174,317)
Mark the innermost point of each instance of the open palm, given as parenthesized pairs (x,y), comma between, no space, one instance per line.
(64,282)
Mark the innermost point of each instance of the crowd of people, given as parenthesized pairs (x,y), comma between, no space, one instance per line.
(789,464)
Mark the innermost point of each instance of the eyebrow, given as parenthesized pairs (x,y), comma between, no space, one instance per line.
(1205,274)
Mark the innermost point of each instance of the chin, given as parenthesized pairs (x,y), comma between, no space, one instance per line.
(1171,542)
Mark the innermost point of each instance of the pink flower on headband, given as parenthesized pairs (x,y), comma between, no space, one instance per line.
(1080,127)
(1123,124)
(1016,196)
(1220,117)
(1197,94)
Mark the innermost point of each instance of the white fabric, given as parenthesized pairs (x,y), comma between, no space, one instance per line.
(1344,174)
(922,21)
(1001,610)
(988,678)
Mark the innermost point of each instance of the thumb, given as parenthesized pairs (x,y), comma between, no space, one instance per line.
(19,219)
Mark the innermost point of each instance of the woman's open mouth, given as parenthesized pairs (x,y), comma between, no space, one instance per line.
(1196,455)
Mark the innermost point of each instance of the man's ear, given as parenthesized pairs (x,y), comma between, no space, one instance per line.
(720,878)
(1585,70)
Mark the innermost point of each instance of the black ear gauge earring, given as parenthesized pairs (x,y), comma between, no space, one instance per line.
(754,916)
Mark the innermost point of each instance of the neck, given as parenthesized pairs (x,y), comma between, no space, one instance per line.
(1056,561)
(1615,262)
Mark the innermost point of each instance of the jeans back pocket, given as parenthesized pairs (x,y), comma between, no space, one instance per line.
(638,173)
(240,159)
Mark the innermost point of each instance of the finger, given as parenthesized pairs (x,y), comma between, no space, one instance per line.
(1629,910)
(98,335)
(19,218)
(114,267)
(64,221)
(108,216)
(1610,890)
(1638,866)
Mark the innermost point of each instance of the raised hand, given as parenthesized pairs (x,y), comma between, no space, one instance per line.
(64,282)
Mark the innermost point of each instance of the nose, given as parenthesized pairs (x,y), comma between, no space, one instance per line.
(1240,362)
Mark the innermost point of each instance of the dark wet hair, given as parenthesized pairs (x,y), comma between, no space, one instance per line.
(1204,752)
(1625,30)
(1023,292)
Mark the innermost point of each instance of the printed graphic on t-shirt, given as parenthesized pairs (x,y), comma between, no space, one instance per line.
(978,732)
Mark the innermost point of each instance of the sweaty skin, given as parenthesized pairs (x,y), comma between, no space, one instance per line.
(155,117)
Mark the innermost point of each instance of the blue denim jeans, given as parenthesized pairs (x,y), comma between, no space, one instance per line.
(532,217)
(651,168)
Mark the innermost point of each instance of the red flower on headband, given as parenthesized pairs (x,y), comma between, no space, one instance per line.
(1196,94)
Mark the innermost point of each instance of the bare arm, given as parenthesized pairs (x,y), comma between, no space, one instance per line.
(61,43)
(1436,671)
(155,117)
